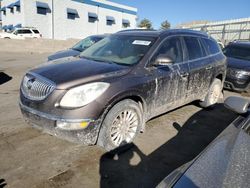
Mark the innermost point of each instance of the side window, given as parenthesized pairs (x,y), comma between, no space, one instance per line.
(211,46)
(170,48)
(27,31)
(194,48)
(19,32)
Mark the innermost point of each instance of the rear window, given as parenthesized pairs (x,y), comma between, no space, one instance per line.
(35,31)
(194,48)
(211,46)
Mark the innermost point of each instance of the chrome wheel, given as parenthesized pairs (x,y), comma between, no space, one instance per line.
(124,127)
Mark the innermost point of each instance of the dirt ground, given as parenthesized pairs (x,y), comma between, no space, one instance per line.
(30,158)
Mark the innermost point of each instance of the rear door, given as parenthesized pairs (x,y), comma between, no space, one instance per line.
(172,80)
(200,66)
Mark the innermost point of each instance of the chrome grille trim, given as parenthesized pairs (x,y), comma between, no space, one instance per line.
(36,87)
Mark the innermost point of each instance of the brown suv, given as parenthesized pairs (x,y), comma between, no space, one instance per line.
(106,95)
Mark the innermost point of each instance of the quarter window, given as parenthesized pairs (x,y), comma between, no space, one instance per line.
(170,48)
(35,31)
(193,48)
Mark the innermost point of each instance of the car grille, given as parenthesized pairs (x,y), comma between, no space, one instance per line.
(35,87)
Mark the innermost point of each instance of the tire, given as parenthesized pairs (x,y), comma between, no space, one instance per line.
(214,94)
(114,131)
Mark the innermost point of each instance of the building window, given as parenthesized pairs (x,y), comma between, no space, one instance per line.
(12,10)
(125,23)
(18,9)
(72,14)
(17,5)
(42,8)
(92,17)
(3,9)
(110,20)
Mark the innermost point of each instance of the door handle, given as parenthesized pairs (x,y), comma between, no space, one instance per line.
(184,74)
(209,67)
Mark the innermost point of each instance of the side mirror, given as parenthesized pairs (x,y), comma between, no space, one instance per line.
(237,104)
(163,60)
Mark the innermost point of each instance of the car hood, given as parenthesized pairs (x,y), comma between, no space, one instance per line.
(64,53)
(225,163)
(238,63)
(67,74)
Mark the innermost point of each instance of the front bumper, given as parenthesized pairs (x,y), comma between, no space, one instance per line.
(48,124)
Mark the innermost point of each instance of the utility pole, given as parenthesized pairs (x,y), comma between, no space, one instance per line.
(53,20)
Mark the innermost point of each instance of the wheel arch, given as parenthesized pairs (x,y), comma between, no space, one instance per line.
(135,96)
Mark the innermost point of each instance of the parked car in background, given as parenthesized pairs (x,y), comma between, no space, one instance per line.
(238,71)
(225,162)
(106,95)
(77,48)
(221,44)
(21,33)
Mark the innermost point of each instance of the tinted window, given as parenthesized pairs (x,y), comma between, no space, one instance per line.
(36,31)
(24,31)
(170,48)
(237,52)
(194,48)
(211,46)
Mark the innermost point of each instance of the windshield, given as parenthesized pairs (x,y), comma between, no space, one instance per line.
(85,43)
(120,49)
(237,52)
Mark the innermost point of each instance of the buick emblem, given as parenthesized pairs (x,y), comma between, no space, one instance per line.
(30,83)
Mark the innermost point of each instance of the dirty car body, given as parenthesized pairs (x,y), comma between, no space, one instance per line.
(238,71)
(123,67)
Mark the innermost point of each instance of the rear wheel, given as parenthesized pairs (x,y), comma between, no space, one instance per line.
(213,95)
(121,125)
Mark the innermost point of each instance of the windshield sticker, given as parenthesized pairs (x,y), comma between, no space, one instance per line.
(142,42)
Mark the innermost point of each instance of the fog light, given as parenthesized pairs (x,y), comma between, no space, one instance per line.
(72,125)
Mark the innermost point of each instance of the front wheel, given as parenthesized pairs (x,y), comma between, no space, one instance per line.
(213,95)
(120,125)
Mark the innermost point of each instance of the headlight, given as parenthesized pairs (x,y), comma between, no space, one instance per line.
(243,73)
(82,95)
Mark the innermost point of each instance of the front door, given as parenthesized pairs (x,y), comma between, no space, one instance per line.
(172,80)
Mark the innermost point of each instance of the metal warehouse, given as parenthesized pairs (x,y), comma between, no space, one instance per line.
(63,19)
(225,31)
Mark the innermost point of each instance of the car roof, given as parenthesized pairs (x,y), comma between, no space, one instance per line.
(159,33)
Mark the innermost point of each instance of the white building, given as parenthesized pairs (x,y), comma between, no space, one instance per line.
(63,19)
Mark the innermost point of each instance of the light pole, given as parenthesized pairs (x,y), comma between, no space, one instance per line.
(53,22)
